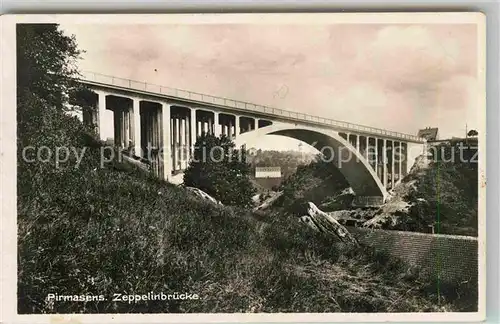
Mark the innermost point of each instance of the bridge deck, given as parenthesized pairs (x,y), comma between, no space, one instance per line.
(154,89)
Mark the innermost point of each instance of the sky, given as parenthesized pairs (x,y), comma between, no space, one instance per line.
(400,77)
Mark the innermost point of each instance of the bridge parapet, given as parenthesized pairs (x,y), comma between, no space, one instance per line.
(154,89)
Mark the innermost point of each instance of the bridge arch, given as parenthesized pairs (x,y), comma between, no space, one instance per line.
(351,163)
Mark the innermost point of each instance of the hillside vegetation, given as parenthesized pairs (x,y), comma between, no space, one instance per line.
(444,194)
(437,194)
(319,182)
(101,231)
(84,229)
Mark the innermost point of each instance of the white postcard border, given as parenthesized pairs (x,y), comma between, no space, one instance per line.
(8,176)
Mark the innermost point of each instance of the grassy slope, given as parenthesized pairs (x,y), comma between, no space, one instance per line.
(105,231)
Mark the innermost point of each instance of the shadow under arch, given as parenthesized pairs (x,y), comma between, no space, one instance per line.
(351,163)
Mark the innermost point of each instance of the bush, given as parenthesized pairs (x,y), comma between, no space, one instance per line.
(220,170)
(445,197)
(318,182)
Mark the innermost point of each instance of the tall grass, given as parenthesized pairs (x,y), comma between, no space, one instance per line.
(108,231)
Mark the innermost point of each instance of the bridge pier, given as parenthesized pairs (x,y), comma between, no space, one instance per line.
(131,124)
(193,123)
(166,138)
(101,107)
(237,130)
(182,143)
(137,126)
(216,125)
(384,163)
(199,126)
(247,124)
(150,134)
(173,141)
(381,156)
(404,162)
(205,119)
(400,162)
(181,133)
(105,117)
(121,120)
(396,162)
(393,171)
(227,121)
(114,120)
(351,138)
(367,150)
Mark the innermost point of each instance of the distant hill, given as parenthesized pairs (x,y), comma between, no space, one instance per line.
(287,160)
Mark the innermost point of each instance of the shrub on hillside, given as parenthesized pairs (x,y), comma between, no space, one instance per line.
(220,170)
(445,194)
(318,182)
(446,198)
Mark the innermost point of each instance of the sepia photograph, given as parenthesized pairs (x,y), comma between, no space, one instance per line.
(249,164)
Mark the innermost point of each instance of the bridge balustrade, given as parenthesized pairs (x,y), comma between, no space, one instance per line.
(185,94)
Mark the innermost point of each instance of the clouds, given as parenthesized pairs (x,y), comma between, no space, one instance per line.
(428,71)
(364,73)
(412,57)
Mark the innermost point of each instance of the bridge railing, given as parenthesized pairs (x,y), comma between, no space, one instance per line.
(191,95)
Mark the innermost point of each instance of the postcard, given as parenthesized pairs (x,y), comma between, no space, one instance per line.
(301,167)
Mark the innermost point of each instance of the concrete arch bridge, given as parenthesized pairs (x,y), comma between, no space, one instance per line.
(160,125)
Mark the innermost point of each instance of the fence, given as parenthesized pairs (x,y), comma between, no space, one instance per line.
(450,259)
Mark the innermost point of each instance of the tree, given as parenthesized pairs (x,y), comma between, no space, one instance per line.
(45,62)
(472,133)
(46,72)
(220,170)
(45,79)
